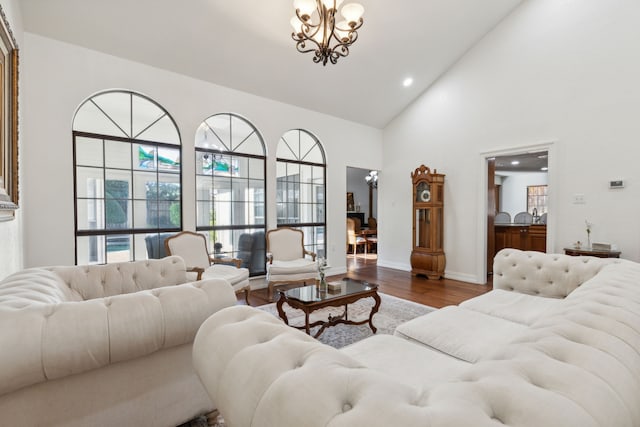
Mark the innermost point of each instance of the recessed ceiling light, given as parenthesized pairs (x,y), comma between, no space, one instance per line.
(544,168)
(515,162)
(407,82)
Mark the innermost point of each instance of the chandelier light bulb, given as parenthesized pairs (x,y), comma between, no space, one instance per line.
(352,12)
(342,31)
(329,3)
(306,7)
(296,24)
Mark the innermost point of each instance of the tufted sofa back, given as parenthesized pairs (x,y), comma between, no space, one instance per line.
(548,275)
(99,281)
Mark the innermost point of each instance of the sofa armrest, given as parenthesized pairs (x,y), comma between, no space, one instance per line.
(52,341)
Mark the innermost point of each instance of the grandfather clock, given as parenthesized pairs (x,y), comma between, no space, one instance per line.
(427,256)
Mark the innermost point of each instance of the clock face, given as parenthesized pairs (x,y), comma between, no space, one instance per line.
(423,192)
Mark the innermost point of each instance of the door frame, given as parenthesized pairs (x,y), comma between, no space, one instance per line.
(551,148)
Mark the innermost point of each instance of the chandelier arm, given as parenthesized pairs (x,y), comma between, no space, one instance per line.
(302,48)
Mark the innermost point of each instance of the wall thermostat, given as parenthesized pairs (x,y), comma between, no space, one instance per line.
(616,184)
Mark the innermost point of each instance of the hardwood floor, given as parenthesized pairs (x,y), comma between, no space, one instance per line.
(435,293)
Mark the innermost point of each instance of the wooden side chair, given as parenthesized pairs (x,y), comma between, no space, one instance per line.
(353,239)
(192,247)
(288,261)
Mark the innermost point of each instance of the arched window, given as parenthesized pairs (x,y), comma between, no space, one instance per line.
(230,189)
(126,151)
(300,192)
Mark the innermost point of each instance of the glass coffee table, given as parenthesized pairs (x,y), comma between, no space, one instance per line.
(314,297)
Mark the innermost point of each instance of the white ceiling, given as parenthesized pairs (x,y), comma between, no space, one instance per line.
(247,45)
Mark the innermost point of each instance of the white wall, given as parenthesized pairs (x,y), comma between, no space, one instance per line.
(563,71)
(60,76)
(11,232)
(513,190)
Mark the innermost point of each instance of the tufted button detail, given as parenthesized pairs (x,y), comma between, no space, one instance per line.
(346,407)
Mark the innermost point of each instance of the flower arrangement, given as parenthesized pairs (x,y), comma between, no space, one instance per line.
(588,228)
(322,267)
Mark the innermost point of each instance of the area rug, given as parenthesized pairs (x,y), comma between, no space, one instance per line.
(392,312)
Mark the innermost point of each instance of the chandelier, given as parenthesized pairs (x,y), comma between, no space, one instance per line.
(372,179)
(315,29)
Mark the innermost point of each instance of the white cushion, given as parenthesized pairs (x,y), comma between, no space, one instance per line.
(406,361)
(513,306)
(466,334)
(301,265)
(237,277)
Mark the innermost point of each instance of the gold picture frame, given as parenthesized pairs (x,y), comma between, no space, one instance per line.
(9,190)
(350,203)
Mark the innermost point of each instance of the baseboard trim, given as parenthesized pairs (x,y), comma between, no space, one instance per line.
(453,275)
(463,277)
(394,265)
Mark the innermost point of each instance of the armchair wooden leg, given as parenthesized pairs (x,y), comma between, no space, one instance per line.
(246,295)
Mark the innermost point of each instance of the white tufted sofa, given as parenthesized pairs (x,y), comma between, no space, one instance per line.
(556,344)
(104,345)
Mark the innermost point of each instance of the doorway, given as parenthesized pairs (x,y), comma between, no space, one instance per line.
(519,205)
(362,214)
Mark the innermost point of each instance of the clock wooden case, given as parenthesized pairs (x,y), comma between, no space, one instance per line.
(427,256)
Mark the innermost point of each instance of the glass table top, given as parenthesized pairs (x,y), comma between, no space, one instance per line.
(315,293)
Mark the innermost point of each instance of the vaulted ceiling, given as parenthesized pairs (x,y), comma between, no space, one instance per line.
(247,45)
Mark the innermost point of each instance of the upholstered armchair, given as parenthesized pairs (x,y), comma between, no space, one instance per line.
(287,259)
(192,247)
(155,245)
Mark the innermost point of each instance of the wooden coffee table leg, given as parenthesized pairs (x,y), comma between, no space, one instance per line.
(306,322)
(279,305)
(374,310)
